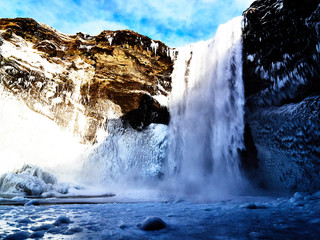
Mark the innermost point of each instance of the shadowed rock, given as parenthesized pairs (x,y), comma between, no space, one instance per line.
(281,55)
(152,223)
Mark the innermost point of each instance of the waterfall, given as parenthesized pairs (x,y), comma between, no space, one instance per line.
(197,153)
(206,107)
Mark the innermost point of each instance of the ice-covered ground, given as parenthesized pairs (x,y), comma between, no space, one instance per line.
(297,217)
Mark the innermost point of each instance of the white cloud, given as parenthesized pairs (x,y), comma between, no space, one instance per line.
(198,19)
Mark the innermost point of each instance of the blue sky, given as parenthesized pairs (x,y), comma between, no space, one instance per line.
(176,23)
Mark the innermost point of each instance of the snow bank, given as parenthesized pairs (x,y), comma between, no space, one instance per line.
(30,180)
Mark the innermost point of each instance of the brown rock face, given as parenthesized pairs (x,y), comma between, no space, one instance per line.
(81,81)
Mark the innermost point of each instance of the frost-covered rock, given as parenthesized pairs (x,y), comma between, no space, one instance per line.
(281,80)
(284,40)
(74,230)
(253,206)
(152,223)
(38,234)
(317,194)
(18,236)
(298,196)
(62,220)
(29,180)
(25,221)
(287,141)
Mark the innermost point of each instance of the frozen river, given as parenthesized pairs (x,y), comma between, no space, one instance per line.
(297,217)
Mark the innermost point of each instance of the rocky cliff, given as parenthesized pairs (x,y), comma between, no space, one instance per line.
(281,44)
(81,81)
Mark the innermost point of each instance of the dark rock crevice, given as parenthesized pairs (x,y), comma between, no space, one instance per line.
(149,111)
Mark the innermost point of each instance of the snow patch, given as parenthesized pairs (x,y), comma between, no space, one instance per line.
(29,57)
(251,57)
(163,100)
(154,46)
(62,220)
(110,39)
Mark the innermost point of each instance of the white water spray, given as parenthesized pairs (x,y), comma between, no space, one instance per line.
(206,106)
(30,138)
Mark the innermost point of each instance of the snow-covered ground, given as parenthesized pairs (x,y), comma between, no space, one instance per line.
(297,217)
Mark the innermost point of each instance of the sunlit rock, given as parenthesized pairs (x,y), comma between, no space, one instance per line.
(81,81)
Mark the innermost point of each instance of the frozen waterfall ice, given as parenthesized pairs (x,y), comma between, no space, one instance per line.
(207,122)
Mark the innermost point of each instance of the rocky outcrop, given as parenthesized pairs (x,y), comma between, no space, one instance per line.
(281,59)
(81,81)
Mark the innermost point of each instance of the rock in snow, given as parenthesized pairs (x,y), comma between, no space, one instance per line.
(38,234)
(18,236)
(152,223)
(62,220)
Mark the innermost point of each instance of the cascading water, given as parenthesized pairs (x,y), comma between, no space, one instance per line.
(206,107)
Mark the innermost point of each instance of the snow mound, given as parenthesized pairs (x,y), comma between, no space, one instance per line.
(18,236)
(62,220)
(30,181)
(39,234)
(44,227)
(32,202)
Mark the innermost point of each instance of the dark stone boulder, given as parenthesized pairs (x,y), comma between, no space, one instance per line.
(152,224)
(18,236)
(7,34)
